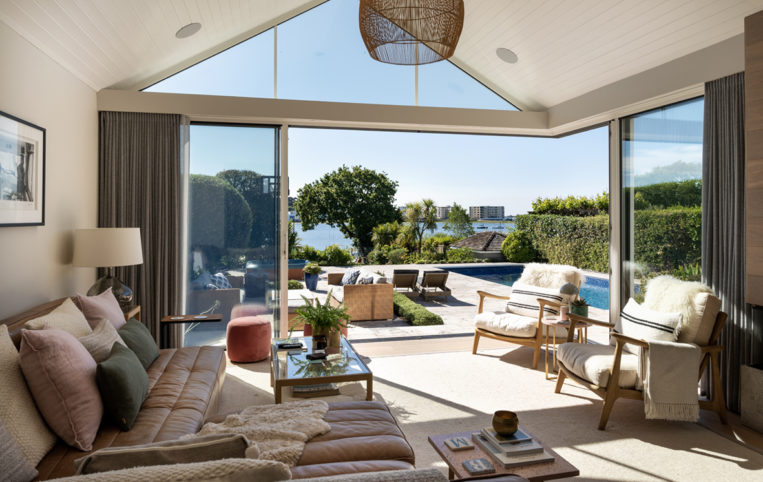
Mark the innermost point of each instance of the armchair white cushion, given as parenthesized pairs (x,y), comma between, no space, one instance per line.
(695,301)
(594,363)
(508,324)
(524,300)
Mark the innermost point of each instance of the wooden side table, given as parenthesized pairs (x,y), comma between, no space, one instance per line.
(551,324)
(132,312)
(168,321)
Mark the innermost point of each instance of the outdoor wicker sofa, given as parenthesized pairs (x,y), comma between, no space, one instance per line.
(364,302)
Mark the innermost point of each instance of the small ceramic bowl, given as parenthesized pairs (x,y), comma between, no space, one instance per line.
(505,422)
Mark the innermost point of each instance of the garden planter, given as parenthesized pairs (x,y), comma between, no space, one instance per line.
(333,337)
(579,310)
(311,281)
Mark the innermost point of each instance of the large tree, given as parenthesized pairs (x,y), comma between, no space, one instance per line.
(352,199)
(419,217)
(459,222)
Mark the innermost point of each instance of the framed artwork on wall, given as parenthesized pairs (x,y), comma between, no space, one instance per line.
(22,172)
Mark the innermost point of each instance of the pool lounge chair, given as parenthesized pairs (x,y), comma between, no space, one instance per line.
(433,285)
(404,282)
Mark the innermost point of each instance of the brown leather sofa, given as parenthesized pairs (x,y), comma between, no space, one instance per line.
(184,389)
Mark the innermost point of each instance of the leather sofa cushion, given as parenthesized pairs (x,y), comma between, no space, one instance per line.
(364,437)
(184,385)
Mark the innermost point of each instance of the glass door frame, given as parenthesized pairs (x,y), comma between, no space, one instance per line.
(618,231)
(280,167)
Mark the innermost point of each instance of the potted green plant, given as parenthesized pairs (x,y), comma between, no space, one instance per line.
(324,319)
(311,275)
(579,307)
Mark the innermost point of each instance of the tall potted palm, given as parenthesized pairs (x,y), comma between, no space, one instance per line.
(323,318)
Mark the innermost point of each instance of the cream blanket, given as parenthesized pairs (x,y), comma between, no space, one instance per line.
(275,432)
(669,374)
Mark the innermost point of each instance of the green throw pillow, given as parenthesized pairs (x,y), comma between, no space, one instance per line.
(139,340)
(123,384)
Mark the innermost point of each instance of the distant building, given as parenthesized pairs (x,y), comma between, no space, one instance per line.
(442,212)
(486,212)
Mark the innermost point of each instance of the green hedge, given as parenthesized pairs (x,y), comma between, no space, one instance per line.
(665,240)
(578,241)
(668,238)
(416,314)
(220,216)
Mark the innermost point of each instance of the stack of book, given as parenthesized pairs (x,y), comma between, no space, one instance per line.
(517,449)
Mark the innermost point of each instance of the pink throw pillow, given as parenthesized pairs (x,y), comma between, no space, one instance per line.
(60,374)
(100,306)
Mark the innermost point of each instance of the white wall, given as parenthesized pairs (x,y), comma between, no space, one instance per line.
(35,261)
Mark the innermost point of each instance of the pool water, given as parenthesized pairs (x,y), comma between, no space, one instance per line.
(594,290)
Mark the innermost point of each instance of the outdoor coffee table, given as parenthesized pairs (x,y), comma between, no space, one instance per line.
(292,368)
(557,469)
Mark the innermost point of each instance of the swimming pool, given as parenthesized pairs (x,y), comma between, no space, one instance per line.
(594,290)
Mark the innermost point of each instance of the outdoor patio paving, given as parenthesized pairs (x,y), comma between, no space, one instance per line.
(457,311)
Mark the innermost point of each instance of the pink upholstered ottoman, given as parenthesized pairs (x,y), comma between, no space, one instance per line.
(248,339)
(248,309)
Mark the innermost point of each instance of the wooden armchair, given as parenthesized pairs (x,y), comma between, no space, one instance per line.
(618,380)
(519,329)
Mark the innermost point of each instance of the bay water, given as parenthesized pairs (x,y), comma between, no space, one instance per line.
(324,235)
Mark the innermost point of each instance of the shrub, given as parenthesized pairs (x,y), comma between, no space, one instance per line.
(396,255)
(336,256)
(312,268)
(295,285)
(670,194)
(518,247)
(307,252)
(461,255)
(413,312)
(220,216)
(668,238)
(578,241)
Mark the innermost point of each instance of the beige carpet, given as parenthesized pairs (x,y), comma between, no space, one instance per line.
(449,392)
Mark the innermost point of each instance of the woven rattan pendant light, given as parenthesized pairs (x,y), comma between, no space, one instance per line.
(411,32)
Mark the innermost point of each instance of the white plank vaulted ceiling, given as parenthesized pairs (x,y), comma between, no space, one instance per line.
(566,48)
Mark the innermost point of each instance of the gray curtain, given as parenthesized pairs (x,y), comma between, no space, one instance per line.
(723,213)
(140,185)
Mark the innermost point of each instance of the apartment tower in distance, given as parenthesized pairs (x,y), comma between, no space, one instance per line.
(486,212)
(442,212)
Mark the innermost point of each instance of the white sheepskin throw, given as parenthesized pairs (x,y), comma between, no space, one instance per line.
(551,275)
(668,294)
(275,432)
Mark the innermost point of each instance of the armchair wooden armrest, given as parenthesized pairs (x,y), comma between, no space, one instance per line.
(335,278)
(485,294)
(623,339)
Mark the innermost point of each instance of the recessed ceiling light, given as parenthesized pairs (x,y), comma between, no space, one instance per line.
(506,55)
(188,30)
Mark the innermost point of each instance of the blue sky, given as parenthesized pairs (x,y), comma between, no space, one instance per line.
(321,56)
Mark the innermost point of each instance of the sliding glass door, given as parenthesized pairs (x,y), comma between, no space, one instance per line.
(661,195)
(233,226)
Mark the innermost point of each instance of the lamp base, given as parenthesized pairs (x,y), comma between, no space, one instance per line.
(121,291)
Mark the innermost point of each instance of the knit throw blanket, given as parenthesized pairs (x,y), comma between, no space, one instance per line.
(669,374)
(275,432)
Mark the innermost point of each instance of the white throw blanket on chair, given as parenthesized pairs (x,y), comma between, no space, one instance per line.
(669,373)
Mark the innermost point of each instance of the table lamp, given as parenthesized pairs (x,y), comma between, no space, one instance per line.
(107,248)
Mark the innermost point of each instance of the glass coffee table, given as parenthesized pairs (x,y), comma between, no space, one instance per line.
(289,368)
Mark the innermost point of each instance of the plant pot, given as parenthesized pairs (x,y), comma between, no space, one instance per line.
(311,281)
(334,337)
(580,310)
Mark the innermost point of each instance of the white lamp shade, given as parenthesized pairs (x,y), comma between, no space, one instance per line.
(106,247)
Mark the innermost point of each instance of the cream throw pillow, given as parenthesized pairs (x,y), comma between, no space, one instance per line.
(66,317)
(100,341)
(17,408)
